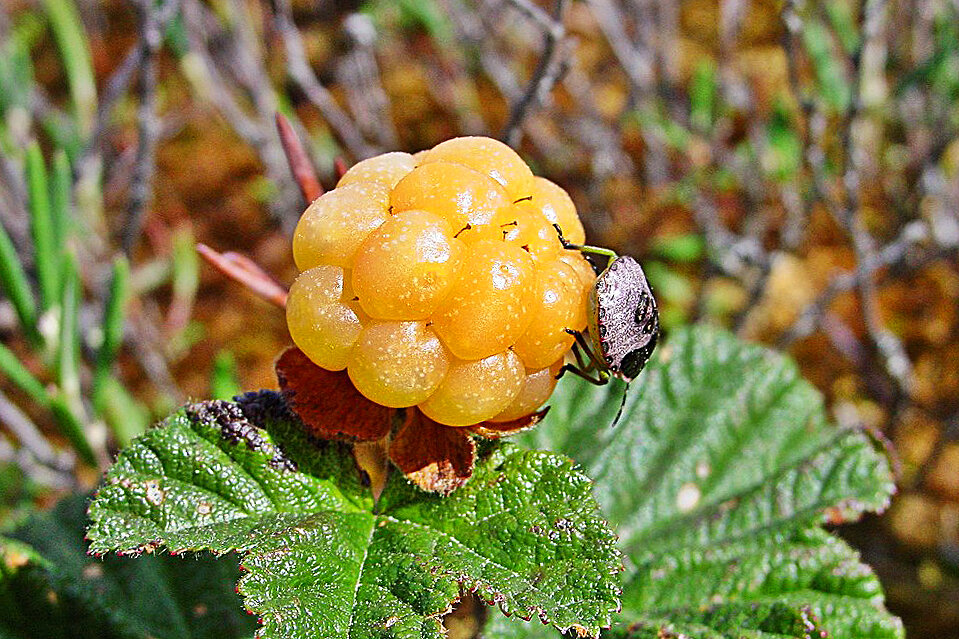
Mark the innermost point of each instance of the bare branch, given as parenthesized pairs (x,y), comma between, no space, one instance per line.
(359,75)
(247,272)
(151,37)
(299,161)
(547,71)
(899,254)
(301,74)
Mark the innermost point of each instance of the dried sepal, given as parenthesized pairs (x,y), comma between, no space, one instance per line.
(435,457)
(495,430)
(327,402)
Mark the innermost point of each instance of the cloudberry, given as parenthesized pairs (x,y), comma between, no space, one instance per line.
(437,280)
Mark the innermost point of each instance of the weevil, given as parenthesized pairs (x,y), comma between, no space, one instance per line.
(622,321)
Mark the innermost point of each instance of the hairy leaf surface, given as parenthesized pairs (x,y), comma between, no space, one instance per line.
(718,473)
(50,588)
(323,560)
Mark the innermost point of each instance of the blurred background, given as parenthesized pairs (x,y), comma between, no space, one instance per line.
(789,170)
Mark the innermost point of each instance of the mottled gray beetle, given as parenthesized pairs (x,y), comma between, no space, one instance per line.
(623,321)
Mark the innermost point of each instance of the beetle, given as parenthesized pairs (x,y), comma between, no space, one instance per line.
(622,321)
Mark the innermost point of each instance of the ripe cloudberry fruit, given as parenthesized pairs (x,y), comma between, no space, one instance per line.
(437,280)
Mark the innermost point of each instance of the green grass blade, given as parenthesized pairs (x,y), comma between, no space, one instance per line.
(224,381)
(703,90)
(16,372)
(186,267)
(47,255)
(113,313)
(68,353)
(124,415)
(71,427)
(61,206)
(14,283)
(16,68)
(68,405)
(75,52)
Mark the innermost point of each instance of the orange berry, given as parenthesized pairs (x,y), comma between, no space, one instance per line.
(386,169)
(350,298)
(557,207)
(465,198)
(398,364)
(438,280)
(335,224)
(524,226)
(489,306)
(405,268)
(321,325)
(489,156)
(556,308)
(587,280)
(474,391)
(536,389)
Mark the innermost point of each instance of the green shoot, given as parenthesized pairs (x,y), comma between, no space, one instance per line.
(75,54)
(46,252)
(112,326)
(16,372)
(14,283)
(224,380)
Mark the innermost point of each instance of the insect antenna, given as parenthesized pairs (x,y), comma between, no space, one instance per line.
(622,405)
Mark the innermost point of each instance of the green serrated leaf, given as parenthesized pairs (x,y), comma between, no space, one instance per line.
(50,588)
(323,561)
(785,576)
(716,476)
(719,440)
(189,486)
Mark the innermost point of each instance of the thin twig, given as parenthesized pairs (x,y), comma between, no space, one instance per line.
(232,78)
(470,30)
(140,191)
(735,255)
(153,19)
(300,165)
(359,75)
(28,434)
(33,468)
(247,272)
(116,86)
(340,166)
(300,72)
(894,357)
(639,63)
(146,340)
(898,254)
(548,68)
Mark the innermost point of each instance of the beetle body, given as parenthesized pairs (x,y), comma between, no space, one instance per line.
(622,322)
(623,319)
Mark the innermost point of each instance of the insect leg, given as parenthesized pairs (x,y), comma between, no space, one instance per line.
(582,368)
(595,361)
(599,380)
(622,405)
(578,354)
(585,248)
